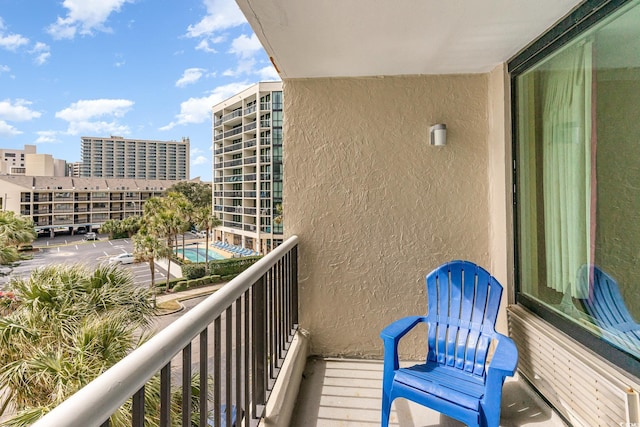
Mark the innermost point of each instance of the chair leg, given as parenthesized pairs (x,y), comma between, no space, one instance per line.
(386,409)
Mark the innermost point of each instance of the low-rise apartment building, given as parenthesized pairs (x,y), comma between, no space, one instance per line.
(66,203)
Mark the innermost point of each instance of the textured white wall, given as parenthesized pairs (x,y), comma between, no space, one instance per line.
(375,206)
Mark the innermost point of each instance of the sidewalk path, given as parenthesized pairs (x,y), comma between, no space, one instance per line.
(185,295)
(176,270)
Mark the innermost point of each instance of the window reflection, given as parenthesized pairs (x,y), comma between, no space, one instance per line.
(578,180)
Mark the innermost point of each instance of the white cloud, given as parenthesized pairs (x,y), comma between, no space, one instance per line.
(245,66)
(85,116)
(17,111)
(204,46)
(11,41)
(119,60)
(190,76)
(7,130)
(47,136)
(196,150)
(221,15)
(4,69)
(245,47)
(268,74)
(200,160)
(42,53)
(83,17)
(198,110)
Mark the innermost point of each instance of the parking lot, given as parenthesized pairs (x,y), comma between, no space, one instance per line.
(68,249)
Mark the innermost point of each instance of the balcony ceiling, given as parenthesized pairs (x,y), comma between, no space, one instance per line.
(311,38)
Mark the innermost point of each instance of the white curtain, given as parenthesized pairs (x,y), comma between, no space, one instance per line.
(566,138)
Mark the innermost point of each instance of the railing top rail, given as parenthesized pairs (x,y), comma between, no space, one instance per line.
(95,402)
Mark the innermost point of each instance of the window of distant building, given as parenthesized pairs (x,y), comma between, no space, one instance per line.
(577,152)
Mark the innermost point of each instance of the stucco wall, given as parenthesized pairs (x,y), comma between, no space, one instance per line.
(375,206)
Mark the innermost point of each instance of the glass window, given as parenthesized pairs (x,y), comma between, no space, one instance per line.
(277,119)
(277,100)
(578,182)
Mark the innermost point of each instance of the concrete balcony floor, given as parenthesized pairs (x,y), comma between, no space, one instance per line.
(347,393)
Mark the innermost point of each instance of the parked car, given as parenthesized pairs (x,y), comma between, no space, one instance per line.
(201,233)
(91,236)
(125,258)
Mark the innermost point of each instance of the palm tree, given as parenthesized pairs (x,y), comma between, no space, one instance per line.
(112,227)
(204,220)
(166,218)
(14,231)
(131,225)
(68,326)
(148,248)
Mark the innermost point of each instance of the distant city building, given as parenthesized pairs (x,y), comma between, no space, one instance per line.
(247,167)
(74,204)
(73,169)
(28,162)
(117,157)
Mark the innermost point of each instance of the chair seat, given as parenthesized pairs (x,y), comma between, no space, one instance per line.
(448,383)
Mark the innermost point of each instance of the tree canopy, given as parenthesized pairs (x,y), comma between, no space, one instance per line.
(14,231)
(62,327)
(198,194)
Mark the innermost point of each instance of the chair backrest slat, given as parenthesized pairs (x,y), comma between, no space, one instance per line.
(463,304)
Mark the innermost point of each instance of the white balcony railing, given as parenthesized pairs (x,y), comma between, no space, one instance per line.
(254,318)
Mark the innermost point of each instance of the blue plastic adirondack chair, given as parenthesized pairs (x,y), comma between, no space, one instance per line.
(463,304)
(607,307)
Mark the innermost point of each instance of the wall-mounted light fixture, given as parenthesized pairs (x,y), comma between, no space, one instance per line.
(438,134)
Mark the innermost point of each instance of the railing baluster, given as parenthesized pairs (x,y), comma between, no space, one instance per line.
(278,313)
(137,415)
(186,385)
(204,377)
(165,396)
(217,355)
(271,330)
(294,286)
(259,347)
(248,345)
(286,315)
(238,370)
(228,357)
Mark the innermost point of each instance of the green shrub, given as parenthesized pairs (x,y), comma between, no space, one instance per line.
(215,278)
(193,271)
(229,266)
(180,287)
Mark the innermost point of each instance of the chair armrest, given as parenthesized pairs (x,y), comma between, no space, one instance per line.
(503,364)
(505,357)
(392,334)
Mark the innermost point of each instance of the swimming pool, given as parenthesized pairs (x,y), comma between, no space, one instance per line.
(194,254)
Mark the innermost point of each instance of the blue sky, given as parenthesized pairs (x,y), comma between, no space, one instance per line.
(143,69)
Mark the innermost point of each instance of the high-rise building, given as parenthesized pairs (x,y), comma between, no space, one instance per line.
(73,169)
(117,157)
(247,167)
